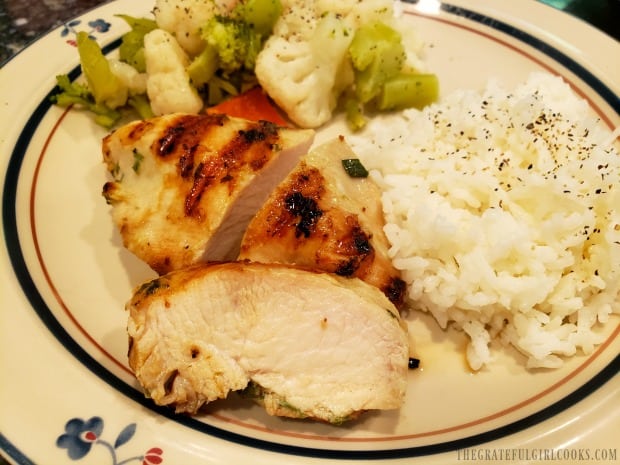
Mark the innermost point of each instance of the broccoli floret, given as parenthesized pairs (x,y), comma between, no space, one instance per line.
(234,41)
(260,14)
(381,79)
(377,55)
(240,36)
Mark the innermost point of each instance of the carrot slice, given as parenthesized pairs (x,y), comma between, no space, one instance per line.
(253,104)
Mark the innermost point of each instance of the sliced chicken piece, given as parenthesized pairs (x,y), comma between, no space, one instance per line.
(310,345)
(321,217)
(186,186)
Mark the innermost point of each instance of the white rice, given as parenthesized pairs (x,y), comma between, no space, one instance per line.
(503,213)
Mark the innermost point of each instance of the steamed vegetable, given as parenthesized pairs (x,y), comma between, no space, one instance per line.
(377,55)
(225,66)
(184,19)
(79,94)
(303,65)
(319,52)
(203,67)
(131,50)
(168,86)
(354,112)
(140,103)
(239,37)
(408,91)
(252,104)
(104,91)
(381,76)
(235,42)
(310,57)
(261,15)
(107,89)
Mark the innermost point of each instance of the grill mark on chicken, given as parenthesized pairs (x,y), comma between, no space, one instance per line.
(357,245)
(201,181)
(167,144)
(187,132)
(138,130)
(304,208)
(186,162)
(252,146)
(395,291)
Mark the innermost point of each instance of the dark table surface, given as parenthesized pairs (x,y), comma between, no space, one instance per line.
(22,22)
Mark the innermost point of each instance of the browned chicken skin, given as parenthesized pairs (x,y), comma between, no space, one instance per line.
(185,186)
(321,218)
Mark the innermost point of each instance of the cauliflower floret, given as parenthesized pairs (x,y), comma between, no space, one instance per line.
(305,69)
(168,85)
(304,65)
(134,81)
(184,18)
(297,20)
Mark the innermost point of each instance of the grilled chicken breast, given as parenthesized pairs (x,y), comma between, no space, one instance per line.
(322,218)
(186,186)
(310,345)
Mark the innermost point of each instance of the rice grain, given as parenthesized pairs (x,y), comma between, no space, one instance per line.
(503,213)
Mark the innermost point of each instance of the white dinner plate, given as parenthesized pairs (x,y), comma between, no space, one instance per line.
(66,391)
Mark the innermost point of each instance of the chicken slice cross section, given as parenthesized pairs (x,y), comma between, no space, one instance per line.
(309,344)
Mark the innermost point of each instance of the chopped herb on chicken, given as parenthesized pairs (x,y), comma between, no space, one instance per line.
(354,168)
